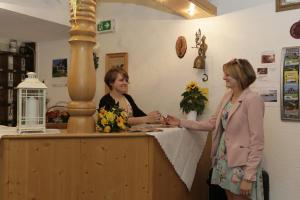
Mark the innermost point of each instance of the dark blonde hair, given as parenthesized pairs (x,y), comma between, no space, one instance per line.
(241,70)
(111,75)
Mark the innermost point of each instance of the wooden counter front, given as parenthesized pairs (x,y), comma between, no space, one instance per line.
(92,167)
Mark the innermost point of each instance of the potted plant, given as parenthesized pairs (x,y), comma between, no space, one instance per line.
(193,102)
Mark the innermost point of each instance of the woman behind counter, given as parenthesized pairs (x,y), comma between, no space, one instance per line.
(117,81)
(237,134)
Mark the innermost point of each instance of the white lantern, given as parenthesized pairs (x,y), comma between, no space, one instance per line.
(31,106)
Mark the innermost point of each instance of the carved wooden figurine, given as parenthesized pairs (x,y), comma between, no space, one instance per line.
(199,62)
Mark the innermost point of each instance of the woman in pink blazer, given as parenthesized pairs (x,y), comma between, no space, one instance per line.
(237,134)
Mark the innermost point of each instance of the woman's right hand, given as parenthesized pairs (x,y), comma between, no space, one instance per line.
(171,120)
(153,117)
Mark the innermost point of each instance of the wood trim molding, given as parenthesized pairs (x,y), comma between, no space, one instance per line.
(203,8)
(205,5)
(179,7)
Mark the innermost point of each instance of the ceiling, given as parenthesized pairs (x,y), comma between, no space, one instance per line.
(13,25)
(148,3)
(203,8)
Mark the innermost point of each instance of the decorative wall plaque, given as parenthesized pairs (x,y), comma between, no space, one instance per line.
(181,46)
(295,30)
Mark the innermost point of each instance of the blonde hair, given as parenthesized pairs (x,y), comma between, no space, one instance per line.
(241,70)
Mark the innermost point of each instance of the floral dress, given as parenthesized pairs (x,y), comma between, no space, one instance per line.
(230,178)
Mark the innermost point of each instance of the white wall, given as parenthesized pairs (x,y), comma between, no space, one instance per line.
(48,51)
(158,77)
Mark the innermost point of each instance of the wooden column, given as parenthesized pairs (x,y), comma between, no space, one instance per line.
(82,76)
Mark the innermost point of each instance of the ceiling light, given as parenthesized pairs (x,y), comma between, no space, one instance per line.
(191,10)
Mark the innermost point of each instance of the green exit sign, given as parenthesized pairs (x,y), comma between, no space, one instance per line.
(106,26)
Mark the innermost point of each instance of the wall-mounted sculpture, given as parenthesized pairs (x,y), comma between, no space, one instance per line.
(199,62)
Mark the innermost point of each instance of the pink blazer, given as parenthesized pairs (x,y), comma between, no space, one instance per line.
(244,135)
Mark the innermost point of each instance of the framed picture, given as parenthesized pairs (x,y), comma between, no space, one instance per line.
(59,72)
(282,5)
(59,68)
(116,60)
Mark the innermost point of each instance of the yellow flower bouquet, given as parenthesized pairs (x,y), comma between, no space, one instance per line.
(113,120)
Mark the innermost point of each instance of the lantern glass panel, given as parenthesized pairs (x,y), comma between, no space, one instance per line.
(41,107)
(31,102)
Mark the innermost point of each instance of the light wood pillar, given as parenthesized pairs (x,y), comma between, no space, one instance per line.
(82,76)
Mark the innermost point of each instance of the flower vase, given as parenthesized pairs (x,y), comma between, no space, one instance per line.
(192,115)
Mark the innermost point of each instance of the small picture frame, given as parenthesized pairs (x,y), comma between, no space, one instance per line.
(283,5)
(116,60)
(59,72)
(59,68)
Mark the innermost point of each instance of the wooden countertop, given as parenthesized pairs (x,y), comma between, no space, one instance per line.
(70,135)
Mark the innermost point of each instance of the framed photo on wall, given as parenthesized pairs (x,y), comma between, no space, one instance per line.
(116,60)
(283,5)
(59,72)
(59,68)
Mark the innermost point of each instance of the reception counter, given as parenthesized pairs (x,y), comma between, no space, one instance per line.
(123,166)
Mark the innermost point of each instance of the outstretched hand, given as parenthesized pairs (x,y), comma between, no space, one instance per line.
(171,120)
